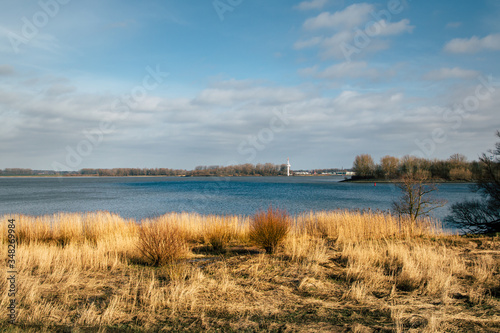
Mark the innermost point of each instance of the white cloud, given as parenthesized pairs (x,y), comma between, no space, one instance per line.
(264,95)
(223,115)
(337,45)
(308,71)
(313,4)
(396,28)
(355,31)
(342,70)
(450,73)
(473,44)
(348,18)
(349,69)
(302,44)
(453,25)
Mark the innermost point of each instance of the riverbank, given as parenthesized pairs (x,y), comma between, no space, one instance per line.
(391,181)
(336,271)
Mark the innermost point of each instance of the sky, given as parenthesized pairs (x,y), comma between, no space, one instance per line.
(177,84)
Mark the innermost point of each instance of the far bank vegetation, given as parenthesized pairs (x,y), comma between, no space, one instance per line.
(247,169)
(455,168)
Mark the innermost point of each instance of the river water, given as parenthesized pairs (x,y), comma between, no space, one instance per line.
(141,197)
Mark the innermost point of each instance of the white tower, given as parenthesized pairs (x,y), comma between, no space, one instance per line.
(288,167)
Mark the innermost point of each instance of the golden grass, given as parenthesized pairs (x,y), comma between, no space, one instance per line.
(334,271)
(66,228)
(349,227)
(268,229)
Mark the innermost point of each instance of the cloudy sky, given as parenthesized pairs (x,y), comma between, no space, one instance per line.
(88,84)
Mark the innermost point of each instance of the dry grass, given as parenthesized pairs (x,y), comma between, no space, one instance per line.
(351,227)
(269,228)
(66,228)
(335,272)
(220,231)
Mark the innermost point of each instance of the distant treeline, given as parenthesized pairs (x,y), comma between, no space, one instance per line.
(455,168)
(267,169)
(18,172)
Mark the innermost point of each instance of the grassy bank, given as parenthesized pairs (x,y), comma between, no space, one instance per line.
(335,271)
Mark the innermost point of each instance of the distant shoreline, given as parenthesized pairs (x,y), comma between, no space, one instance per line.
(387,181)
(354,181)
(157,176)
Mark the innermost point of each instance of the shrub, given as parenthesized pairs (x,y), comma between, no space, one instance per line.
(161,243)
(269,229)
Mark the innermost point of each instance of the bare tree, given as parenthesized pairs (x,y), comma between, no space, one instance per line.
(416,199)
(476,216)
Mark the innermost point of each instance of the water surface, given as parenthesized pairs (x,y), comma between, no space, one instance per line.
(141,197)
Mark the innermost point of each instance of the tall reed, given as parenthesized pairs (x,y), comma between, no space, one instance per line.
(347,227)
(87,271)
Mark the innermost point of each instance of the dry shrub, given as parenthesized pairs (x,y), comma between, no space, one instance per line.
(269,229)
(161,243)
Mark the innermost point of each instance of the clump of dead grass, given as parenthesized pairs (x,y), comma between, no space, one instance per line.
(161,242)
(269,228)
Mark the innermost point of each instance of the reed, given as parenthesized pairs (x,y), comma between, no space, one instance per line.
(347,227)
(67,228)
(334,271)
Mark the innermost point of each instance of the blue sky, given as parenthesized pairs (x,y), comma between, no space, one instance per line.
(184,83)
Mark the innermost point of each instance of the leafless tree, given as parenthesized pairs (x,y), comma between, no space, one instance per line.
(475,216)
(417,196)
